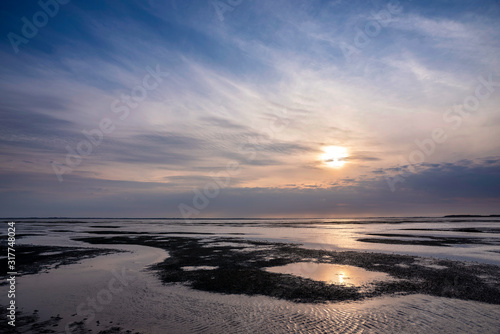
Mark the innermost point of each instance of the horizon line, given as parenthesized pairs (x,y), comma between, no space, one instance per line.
(259,218)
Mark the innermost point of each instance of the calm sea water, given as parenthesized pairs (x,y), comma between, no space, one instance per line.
(143,304)
(468,239)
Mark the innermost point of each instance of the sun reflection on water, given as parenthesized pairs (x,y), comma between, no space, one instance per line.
(331,273)
(341,278)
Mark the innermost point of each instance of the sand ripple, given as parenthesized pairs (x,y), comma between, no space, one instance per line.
(181,310)
(147,306)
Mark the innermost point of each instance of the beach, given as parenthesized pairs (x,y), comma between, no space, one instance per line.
(437,275)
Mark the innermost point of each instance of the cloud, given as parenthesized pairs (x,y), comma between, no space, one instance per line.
(223,123)
(435,27)
(463,179)
(272,78)
(437,189)
(361,158)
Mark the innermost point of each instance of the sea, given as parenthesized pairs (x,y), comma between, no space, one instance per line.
(143,304)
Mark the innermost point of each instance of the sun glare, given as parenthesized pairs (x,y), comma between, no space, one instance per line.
(334,156)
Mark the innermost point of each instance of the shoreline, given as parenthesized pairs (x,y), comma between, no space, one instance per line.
(236,268)
(240,271)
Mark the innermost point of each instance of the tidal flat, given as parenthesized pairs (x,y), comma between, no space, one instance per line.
(256,276)
(240,269)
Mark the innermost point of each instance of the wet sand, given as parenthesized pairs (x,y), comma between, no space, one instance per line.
(189,282)
(145,305)
(239,269)
(33,259)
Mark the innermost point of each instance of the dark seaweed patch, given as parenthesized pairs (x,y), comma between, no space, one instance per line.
(239,269)
(32,259)
(431,240)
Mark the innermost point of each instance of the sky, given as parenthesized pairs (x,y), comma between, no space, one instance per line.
(249,108)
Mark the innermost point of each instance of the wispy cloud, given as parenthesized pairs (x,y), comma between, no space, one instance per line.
(276,62)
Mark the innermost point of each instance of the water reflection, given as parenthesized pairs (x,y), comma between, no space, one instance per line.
(331,273)
(341,278)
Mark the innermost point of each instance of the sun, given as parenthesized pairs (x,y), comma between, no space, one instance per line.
(334,156)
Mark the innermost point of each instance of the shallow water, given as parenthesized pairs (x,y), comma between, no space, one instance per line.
(115,290)
(143,304)
(331,273)
(328,234)
(66,290)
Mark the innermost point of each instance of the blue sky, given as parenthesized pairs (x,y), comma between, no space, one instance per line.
(225,108)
